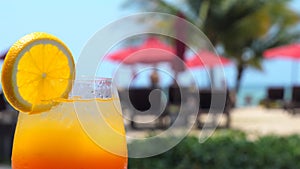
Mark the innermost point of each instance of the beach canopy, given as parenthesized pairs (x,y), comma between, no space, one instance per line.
(291,51)
(209,60)
(151,51)
(206,59)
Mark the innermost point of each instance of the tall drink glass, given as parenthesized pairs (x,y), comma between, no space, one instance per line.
(67,136)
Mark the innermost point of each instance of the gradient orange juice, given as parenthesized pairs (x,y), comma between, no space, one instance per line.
(57,140)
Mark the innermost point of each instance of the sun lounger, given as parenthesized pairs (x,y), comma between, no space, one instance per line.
(215,102)
(275,97)
(293,106)
(146,102)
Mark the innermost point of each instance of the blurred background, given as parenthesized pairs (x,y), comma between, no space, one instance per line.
(259,41)
(272,25)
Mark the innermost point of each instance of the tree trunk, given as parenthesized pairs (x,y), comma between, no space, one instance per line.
(240,71)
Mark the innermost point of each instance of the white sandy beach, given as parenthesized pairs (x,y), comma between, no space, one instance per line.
(259,120)
(254,120)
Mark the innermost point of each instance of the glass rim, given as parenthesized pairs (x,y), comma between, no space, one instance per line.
(91,78)
(88,87)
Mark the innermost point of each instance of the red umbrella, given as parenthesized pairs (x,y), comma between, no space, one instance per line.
(153,42)
(121,54)
(291,51)
(148,56)
(151,51)
(206,58)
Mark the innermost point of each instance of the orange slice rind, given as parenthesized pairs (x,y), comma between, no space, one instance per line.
(38,69)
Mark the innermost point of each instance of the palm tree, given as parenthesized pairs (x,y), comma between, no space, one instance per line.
(247,28)
(244,29)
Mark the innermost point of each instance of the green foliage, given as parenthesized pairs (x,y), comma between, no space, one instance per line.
(245,29)
(227,150)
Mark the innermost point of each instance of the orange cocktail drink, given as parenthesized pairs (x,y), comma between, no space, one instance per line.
(56,139)
(64,123)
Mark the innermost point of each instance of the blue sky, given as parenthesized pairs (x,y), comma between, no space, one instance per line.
(76,21)
(72,21)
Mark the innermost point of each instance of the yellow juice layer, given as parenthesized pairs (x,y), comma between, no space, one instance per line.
(58,140)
